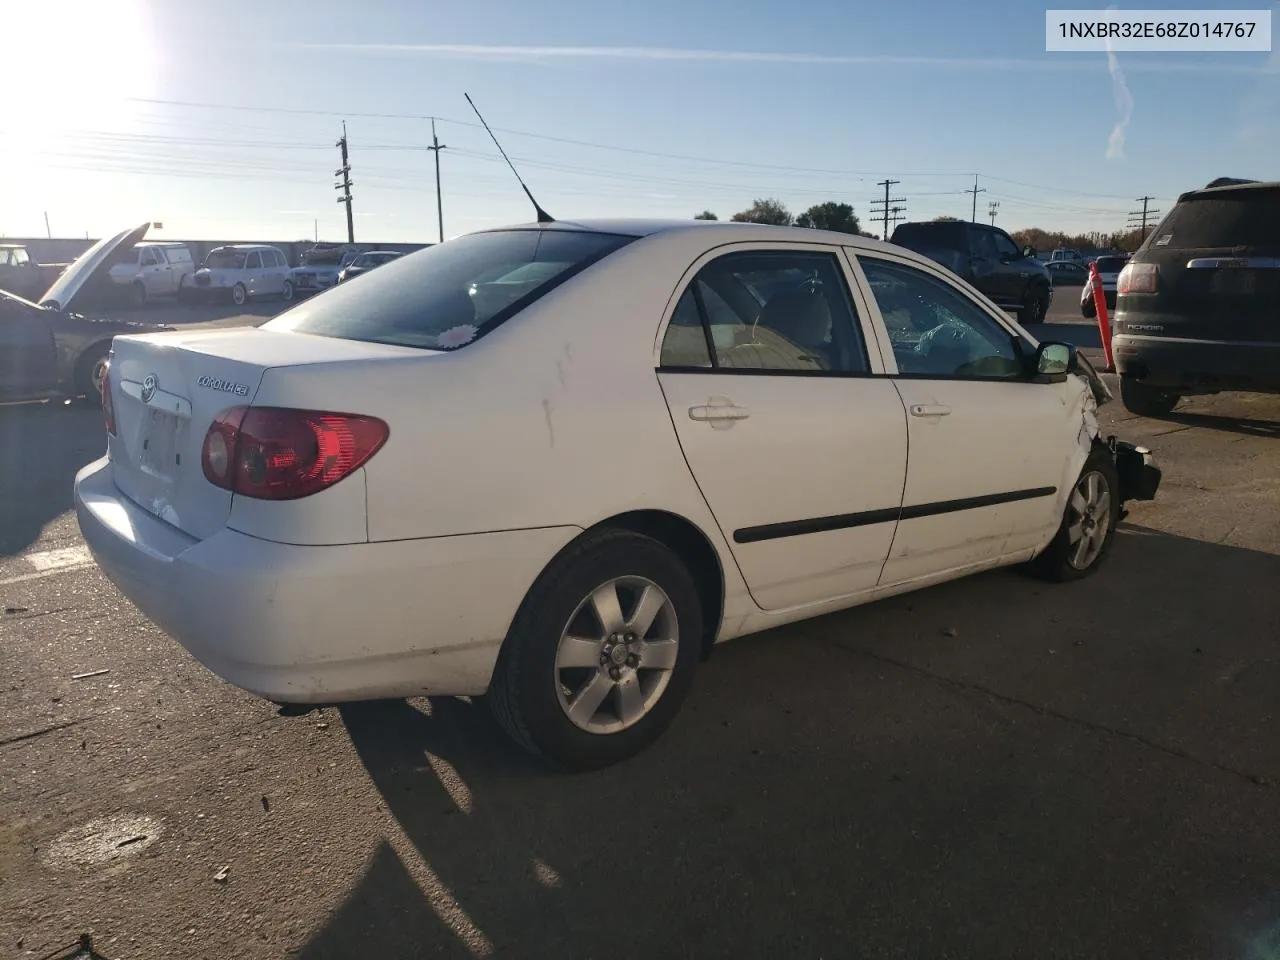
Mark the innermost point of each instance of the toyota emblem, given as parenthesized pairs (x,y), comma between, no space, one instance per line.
(149,387)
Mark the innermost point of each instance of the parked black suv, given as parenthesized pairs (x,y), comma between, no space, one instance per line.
(988,259)
(1198,305)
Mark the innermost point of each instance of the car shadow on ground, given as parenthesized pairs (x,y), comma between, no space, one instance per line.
(1242,425)
(42,447)
(959,771)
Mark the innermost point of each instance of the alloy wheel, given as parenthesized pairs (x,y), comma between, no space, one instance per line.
(616,655)
(1090,519)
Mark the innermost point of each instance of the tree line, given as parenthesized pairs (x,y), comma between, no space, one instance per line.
(840,218)
(832,215)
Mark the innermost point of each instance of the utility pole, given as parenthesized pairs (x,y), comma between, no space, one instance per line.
(47,229)
(992,207)
(975,191)
(345,185)
(884,212)
(1139,218)
(436,147)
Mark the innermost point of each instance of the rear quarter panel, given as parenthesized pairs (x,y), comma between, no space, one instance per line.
(556,418)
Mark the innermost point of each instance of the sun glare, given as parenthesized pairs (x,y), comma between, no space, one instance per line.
(80,60)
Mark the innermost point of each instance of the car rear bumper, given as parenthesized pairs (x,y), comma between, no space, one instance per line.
(306,624)
(1088,308)
(1198,366)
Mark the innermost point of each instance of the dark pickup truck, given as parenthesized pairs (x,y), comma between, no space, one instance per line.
(986,258)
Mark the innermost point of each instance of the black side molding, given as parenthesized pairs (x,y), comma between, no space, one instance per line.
(867,518)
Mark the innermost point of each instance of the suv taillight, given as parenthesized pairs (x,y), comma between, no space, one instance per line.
(1137,278)
(108,407)
(272,453)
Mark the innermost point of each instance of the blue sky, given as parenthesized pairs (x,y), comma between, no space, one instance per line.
(219,120)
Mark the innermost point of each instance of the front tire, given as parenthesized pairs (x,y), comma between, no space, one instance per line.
(601,654)
(1088,527)
(239,295)
(286,292)
(90,369)
(1146,401)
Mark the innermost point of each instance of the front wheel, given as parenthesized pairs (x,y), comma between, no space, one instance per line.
(1146,401)
(239,295)
(1088,525)
(286,292)
(91,370)
(602,653)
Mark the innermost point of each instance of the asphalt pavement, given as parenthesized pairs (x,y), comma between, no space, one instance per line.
(990,768)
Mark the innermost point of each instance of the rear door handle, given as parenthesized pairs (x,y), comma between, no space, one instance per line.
(929,410)
(718,412)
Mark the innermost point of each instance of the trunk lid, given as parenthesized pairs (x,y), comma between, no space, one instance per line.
(168,388)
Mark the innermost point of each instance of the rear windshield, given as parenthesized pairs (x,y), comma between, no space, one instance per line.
(1248,218)
(1111,264)
(447,295)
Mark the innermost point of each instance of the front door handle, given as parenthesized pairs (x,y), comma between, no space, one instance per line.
(718,412)
(929,410)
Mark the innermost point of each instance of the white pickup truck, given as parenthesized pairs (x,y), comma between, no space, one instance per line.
(154,270)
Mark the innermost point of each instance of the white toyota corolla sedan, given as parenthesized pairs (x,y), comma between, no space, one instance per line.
(553,464)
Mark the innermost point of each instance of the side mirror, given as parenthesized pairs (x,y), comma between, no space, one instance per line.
(1055,359)
(1028,251)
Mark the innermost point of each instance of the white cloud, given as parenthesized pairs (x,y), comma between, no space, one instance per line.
(543,53)
(1124,107)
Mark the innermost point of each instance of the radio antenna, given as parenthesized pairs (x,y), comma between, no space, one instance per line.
(543,216)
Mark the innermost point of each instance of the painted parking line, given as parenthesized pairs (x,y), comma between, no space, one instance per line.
(48,563)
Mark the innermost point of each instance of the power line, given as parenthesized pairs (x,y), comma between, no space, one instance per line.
(345,185)
(587,143)
(1138,218)
(435,148)
(887,214)
(975,191)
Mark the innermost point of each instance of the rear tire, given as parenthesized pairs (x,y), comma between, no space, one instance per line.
(239,295)
(1146,401)
(583,693)
(1035,307)
(89,370)
(286,294)
(1088,526)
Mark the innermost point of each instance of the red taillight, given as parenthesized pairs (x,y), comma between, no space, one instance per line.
(278,454)
(108,407)
(1137,278)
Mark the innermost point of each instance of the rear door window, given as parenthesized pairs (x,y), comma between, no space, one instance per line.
(776,311)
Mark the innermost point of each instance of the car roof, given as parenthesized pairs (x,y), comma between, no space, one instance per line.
(1235,187)
(635,227)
